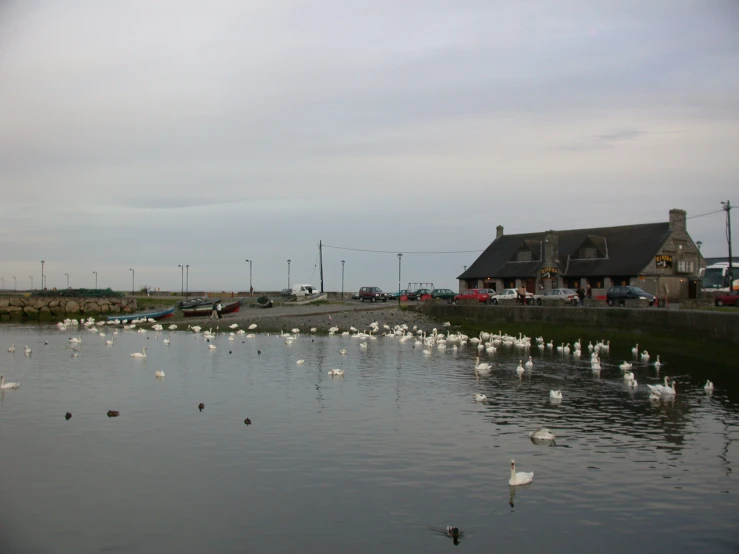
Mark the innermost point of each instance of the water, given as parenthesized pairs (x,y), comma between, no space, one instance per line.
(377,461)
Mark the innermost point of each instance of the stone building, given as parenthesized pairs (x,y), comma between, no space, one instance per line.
(661,258)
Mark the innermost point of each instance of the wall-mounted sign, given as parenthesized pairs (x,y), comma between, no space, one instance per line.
(548,272)
(663,260)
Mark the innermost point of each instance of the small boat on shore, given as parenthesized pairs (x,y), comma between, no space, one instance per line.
(161,314)
(205,310)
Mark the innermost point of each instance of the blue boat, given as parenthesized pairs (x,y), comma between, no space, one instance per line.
(161,314)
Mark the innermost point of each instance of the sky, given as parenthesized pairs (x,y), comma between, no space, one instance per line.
(149,134)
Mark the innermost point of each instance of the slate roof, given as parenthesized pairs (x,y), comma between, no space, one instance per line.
(630,248)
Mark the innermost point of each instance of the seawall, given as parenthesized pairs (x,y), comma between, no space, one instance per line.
(703,326)
(38,307)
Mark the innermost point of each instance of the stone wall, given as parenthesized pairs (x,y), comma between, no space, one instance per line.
(707,326)
(38,307)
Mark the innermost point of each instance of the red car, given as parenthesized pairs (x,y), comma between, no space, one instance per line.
(481,295)
(729,299)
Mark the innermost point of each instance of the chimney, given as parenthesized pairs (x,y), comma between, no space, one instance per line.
(677,220)
(498,232)
(551,248)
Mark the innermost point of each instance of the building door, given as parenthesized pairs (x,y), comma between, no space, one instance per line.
(693,289)
(531,285)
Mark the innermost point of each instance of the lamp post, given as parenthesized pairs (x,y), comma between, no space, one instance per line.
(133,281)
(727,208)
(31,276)
(3,278)
(96,279)
(251,293)
(182,279)
(400,257)
(187,281)
(15,284)
(288,274)
(342,280)
(67,274)
(42,274)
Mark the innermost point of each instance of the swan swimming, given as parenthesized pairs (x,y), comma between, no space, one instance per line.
(542,434)
(6,386)
(708,386)
(141,354)
(300,362)
(529,364)
(520,478)
(626,365)
(482,368)
(480,398)
(519,369)
(555,395)
(657,364)
(159,373)
(336,373)
(11,349)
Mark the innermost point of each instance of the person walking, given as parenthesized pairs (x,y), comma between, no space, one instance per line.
(214,312)
(581,295)
(219,309)
(522,294)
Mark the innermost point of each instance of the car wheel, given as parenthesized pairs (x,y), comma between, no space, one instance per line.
(719,302)
(384,299)
(574,302)
(494,300)
(448,300)
(622,303)
(457,301)
(611,302)
(361,298)
(538,301)
(373,299)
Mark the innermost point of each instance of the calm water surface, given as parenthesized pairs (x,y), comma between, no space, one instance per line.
(372,462)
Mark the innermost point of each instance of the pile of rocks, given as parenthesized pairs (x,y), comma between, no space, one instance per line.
(30,306)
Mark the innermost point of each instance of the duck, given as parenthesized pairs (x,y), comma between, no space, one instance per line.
(626,365)
(529,364)
(708,386)
(480,398)
(11,348)
(67,416)
(141,354)
(159,373)
(113,413)
(542,434)
(247,421)
(201,406)
(6,386)
(336,373)
(520,478)
(555,395)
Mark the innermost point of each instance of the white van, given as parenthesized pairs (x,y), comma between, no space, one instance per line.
(303,290)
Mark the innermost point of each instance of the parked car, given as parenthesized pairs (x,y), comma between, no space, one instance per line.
(729,299)
(510,294)
(619,295)
(481,295)
(286,292)
(394,295)
(373,294)
(444,294)
(567,296)
(418,294)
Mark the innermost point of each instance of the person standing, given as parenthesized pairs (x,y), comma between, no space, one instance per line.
(581,295)
(219,308)
(522,294)
(214,311)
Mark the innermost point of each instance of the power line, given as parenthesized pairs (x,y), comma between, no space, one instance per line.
(707,213)
(403,252)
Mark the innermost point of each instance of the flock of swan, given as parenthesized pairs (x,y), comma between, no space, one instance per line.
(439,341)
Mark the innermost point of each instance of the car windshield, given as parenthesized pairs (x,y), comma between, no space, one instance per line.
(638,290)
(375,289)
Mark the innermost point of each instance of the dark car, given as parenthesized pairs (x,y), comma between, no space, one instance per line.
(442,294)
(619,295)
(286,292)
(394,295)
(373,294)
(418,294)
(729,299)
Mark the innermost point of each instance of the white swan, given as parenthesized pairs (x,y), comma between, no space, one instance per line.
(5,386)
(342,351)
(708,386)
(665,390)
(27,350)
(520,478)
(645,356)
(300,362)
(253,326)
(635,350)
(336,373)
(212,346)
(482,368)
(519,369)
(632,384)
(628,377)
(141,354)
(159,373)
(626,365)
(542,434)
(657,364)
(480,398)
(11,349)
(555,395)
(529,364)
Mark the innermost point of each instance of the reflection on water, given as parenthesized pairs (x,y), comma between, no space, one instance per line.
(368,462)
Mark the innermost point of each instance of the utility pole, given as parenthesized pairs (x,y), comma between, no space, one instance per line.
(320,260)
(727,208)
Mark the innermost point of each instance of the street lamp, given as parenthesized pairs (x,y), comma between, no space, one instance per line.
(3,278)
(42,274)
(182,279)
(727,208)
(187,281)
(400,257)
(133,281)
(67,274)
(288,274)
(96,279)
(31,276)
(251,290)
(15,284)
(342,280)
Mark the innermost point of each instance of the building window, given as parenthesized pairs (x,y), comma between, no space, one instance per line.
(524,256)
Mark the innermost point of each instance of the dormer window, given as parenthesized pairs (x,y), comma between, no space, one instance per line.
(593,247)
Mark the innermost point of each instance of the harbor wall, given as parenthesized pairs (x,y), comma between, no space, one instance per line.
(36,307)
(704,326)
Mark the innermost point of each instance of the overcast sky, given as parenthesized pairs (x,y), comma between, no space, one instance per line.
(150,133)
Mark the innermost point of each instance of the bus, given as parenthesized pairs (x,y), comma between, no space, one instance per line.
(716,277)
